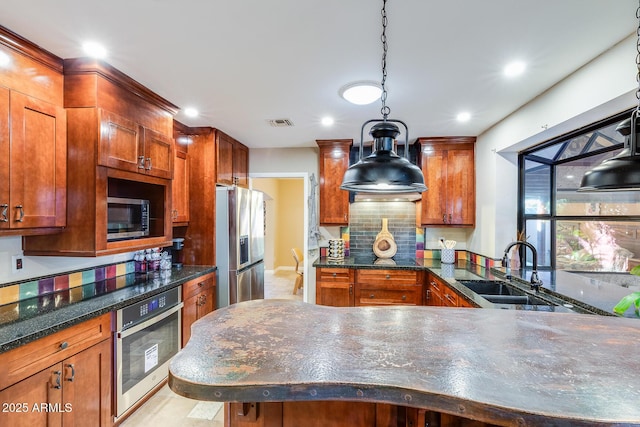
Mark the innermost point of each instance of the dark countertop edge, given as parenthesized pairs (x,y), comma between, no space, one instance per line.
(488,273)
(483,412)
(49,323)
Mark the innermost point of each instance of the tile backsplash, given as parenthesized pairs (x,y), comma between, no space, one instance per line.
(365,222)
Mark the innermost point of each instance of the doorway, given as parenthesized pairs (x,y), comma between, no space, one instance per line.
(286,227)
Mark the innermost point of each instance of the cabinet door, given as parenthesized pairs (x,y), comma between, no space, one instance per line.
(224,162)
(334,202)
(87,387)
(461,204)
(334,286)
(158,154)
(4,157)
(28,400)
(206,302)
(189,315)
(38,183)
(180,188)
(119,145)
(434,211)
(241,165)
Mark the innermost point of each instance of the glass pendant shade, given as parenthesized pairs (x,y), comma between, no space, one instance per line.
(383,171)
(621,172)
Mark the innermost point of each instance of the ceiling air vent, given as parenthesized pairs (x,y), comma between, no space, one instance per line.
(280,123)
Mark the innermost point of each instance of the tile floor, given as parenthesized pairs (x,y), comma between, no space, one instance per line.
(166,408)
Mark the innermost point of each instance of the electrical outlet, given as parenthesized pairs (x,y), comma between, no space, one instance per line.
(17,263)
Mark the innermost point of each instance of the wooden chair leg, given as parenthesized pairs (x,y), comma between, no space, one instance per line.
(297,285)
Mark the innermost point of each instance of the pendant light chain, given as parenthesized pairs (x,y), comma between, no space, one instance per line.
(385,110)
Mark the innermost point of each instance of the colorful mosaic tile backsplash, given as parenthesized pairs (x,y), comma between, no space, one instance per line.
(74,281)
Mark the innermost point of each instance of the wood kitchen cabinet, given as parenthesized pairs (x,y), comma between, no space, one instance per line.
(63,379)
(438,293)
(334,162)
(33,140)
(181,176)
(232,161)
(448,165)
(199,300)
(335,286)
(112,121)
(388,287)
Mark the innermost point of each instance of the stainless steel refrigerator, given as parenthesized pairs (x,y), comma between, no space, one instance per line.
(239,245)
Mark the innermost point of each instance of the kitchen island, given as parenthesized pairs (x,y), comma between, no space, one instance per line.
(293,363)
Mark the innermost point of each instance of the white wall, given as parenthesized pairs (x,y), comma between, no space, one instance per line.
(37,266)
(599,89)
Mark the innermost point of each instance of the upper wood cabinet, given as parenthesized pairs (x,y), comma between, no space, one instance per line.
(181,176)
(232,161)
(334,162)
(448,165)
(120,144)
(32,139)
(126,145)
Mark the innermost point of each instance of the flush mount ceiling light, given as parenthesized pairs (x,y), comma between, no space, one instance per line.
(384,171)
(362,92)
(191,112)
(327,121)
(464,116)
(621,172)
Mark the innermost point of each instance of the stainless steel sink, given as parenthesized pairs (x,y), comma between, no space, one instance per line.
(515,299)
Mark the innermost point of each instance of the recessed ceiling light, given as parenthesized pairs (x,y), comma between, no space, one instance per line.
(464,116)
(191,112)
(514,69)
(327,121)
(361,93)
(94,50)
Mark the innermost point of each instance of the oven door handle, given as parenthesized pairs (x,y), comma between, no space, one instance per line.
(151,321)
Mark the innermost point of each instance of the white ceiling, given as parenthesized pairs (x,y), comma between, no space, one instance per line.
(243,62)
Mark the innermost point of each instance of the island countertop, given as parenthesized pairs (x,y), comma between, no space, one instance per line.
(504,367)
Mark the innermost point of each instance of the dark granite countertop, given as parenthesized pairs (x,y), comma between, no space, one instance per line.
(505,367)
(50,313)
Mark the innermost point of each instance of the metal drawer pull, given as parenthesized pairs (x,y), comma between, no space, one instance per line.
(140,162)
(444,218)
(63,345)
(450,219)
(149,164)
(334,274)
(21,217)
(404,297)
(73,372)
(4,218)
(56,383)
(372,296)
(388,276)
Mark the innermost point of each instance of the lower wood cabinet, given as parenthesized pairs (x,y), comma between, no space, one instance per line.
(337,414)
(438,293)
(334,286)
(63,379)
(388,287)
(199,297)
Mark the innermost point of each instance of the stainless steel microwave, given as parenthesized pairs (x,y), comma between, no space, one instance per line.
(127,218)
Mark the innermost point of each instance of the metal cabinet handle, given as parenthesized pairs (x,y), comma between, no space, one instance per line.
(388,276)
(427,294)
(21,217)
(140,162)
(4,218)
(444,218)
(404,297)
(450,219)
(350,289)
(372,296)
(64,345)
(73,372)
(56,381)
(149,164)
(334,274)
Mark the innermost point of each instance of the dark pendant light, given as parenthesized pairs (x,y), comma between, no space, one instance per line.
(383,171)
(621,172)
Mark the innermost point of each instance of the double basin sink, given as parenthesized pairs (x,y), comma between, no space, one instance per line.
(499,292)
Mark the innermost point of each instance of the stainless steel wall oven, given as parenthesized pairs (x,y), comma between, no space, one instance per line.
(147,336)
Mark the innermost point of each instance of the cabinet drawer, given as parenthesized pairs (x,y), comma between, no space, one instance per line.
(342,275)
(410,295)
(450,297)
(194,287)
(408,277)
(22,362)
